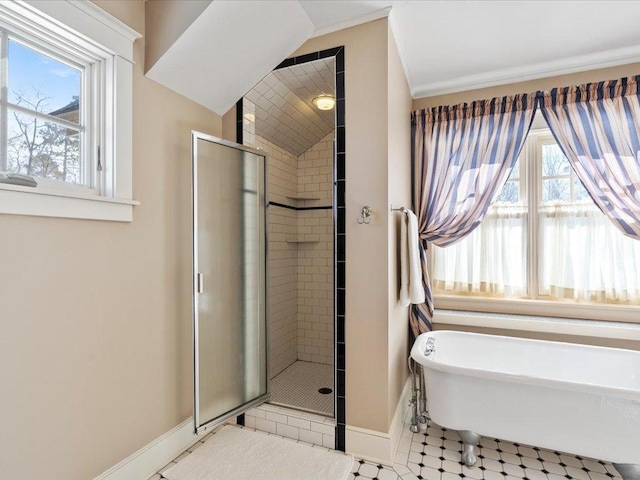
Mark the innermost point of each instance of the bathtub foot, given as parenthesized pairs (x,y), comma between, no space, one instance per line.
(470,440)
(628,471)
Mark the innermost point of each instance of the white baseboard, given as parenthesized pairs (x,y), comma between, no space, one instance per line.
(398,422)
(370,445)
(153,456)
(377,446)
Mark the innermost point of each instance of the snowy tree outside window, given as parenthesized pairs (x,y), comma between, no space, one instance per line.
(42,116)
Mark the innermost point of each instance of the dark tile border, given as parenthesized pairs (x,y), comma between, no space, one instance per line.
(291,207)
(339,213)
(340,253)
(239,126)
(239,139)
(340,250)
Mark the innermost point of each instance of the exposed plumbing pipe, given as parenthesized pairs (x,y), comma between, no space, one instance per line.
(414,398)
(422,409)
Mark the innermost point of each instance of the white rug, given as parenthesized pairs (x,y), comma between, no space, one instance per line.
(239,454)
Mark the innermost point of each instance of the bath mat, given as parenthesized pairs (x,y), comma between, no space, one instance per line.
(239,454)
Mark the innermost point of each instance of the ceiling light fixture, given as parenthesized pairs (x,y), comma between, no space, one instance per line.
(324,102)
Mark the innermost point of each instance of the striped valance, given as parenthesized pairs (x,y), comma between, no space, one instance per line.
(590,91)
(524,101)
(478,108)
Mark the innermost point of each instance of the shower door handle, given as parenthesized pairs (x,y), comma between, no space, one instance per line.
(199,283)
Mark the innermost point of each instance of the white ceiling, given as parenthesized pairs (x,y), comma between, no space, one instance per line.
(451,46)
(229,48)
(445,45)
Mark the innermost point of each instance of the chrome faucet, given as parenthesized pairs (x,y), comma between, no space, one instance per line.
(431,346)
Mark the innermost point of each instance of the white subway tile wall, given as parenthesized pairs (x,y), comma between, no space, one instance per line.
(315,260)
(283,258)
(306,427)
(300,252)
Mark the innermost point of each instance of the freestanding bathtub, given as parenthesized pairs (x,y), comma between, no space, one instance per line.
(572,398)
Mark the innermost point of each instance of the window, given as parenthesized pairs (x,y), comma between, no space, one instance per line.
(543,247)
(65,110)
(44,110)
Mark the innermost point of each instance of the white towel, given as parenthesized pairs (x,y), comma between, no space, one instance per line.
(416,290)
(404,263)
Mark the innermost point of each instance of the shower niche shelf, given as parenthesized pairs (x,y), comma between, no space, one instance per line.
(300,240)
(302,198)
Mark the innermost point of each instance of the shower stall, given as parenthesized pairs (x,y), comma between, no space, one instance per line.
(264,257)
(282,118)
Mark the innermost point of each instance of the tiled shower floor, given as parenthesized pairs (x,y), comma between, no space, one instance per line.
(297,386)
(435,455)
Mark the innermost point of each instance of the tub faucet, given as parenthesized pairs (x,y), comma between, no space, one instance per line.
(431,346)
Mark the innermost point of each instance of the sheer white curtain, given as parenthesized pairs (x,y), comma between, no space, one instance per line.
(585,257)
(582,256)
(490,261)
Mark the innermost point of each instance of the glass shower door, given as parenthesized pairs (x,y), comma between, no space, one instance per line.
(229,259)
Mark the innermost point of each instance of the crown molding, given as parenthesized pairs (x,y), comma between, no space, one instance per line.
(106,19)
(352,22)
(582,63)
(79,18)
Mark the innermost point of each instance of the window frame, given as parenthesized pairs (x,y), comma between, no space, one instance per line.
(535,304)
(88,104)
(82,33)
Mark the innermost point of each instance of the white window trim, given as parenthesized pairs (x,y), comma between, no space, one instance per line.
(81,21)
(563,310)
(540,324)
(540,308)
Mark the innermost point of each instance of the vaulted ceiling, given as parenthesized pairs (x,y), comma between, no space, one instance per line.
(284,112)
(445,46)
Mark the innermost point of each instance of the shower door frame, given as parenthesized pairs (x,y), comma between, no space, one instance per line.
(238,411)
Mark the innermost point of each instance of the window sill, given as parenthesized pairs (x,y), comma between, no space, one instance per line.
(615,322)
(42,202)
(557,326)
(541,308)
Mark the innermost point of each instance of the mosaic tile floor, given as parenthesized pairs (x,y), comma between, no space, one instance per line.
(297,386)
(435,455)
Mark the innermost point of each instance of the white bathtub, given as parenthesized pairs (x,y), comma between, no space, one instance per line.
(572,398)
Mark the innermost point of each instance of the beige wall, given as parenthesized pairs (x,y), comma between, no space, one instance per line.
(229,125)
(95,350)
(167,20)
(399,175)
(530,86)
